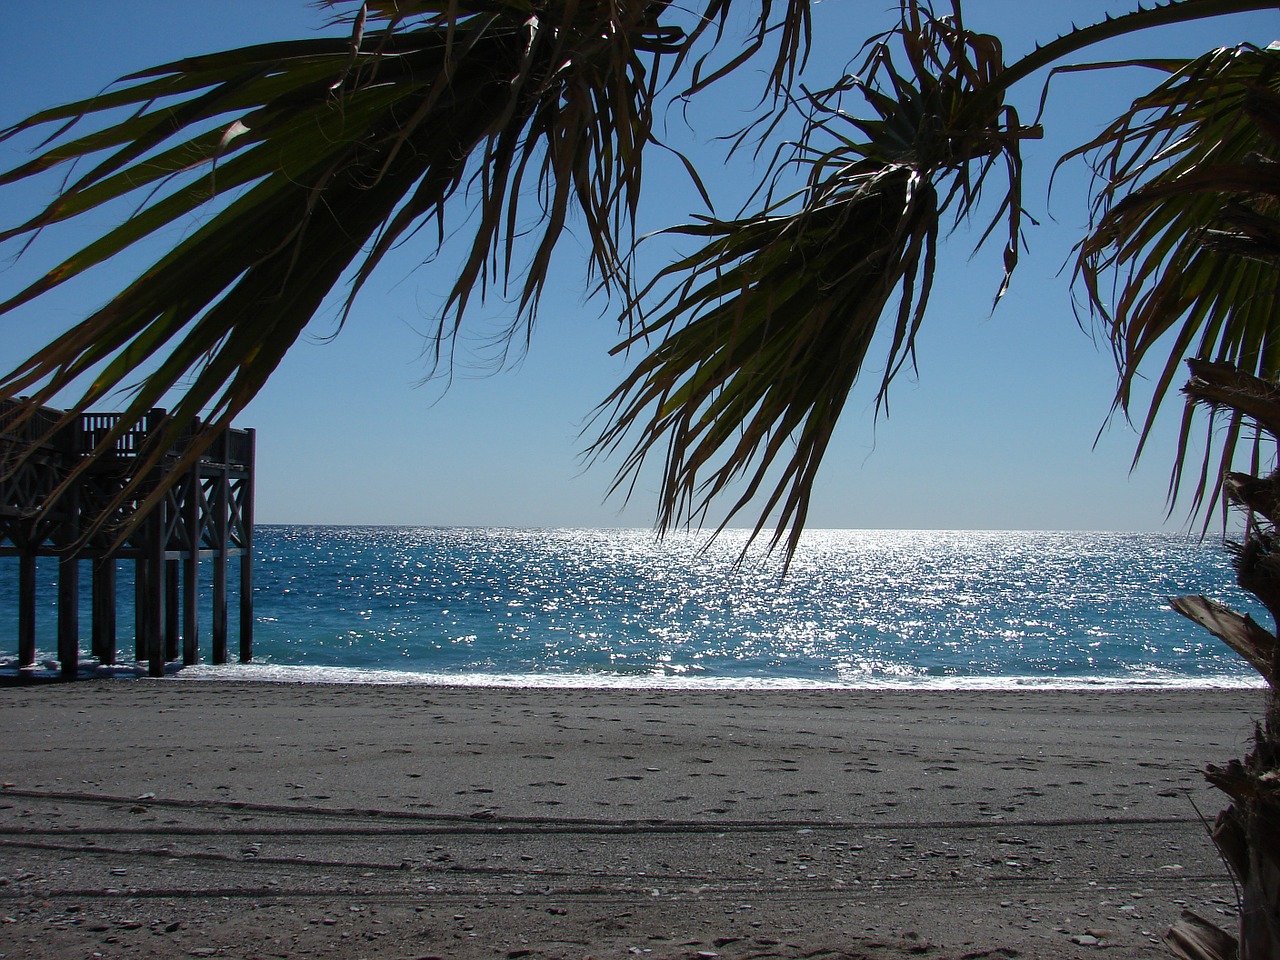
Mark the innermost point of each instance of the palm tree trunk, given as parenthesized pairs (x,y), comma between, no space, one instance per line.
(1248,831)
(1248,834)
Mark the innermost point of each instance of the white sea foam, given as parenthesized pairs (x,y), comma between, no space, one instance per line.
(288,673)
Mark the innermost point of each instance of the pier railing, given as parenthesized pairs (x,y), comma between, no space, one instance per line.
(19,430)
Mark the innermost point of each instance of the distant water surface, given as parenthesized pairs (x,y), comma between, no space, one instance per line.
(616,607)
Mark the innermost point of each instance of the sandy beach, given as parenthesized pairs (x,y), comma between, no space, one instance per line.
(176,818)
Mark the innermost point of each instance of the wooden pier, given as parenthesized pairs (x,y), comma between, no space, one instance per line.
(206,514)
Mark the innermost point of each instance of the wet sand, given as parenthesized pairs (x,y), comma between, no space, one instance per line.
(182,818)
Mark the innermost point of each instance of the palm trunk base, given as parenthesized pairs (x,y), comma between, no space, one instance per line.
(1195,938)
(1248,835)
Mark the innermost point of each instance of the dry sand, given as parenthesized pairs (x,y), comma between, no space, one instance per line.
(178,818)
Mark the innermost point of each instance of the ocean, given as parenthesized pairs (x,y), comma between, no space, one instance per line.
(858,608)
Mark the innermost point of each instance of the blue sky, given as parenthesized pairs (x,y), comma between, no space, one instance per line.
(998,430)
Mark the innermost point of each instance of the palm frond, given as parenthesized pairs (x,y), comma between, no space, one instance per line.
(762,340)
(1182,256)
(310,160)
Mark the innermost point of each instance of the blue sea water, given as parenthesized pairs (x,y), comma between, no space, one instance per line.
(858,608)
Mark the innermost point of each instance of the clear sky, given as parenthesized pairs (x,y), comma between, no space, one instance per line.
(998,431)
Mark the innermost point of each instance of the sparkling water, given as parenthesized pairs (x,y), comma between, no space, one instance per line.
(618,607)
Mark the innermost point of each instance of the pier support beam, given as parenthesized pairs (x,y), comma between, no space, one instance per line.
(220,506)
(246,607)
(104,610)
(140,613)
(26,609)
(191,522)
(246,554)
(191,610)
(172,610)
(154,569)
(69,615)
(220,607)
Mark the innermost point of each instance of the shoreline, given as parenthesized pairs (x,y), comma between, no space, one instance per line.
(224,818)
(261,672)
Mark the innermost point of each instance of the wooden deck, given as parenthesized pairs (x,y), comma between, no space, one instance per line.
(206,514)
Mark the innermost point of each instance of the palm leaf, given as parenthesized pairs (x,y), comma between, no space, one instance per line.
(768,325)
(1182,256)
(312,159)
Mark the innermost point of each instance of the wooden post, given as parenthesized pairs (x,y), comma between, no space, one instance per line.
(191,609)
(191,570)
(155,568)
(69,573)
(26,609)
(172,609)
(246,606)
(67,539)
(220,504)
(104,610)
(246,554)
(69,615)
(140,607)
